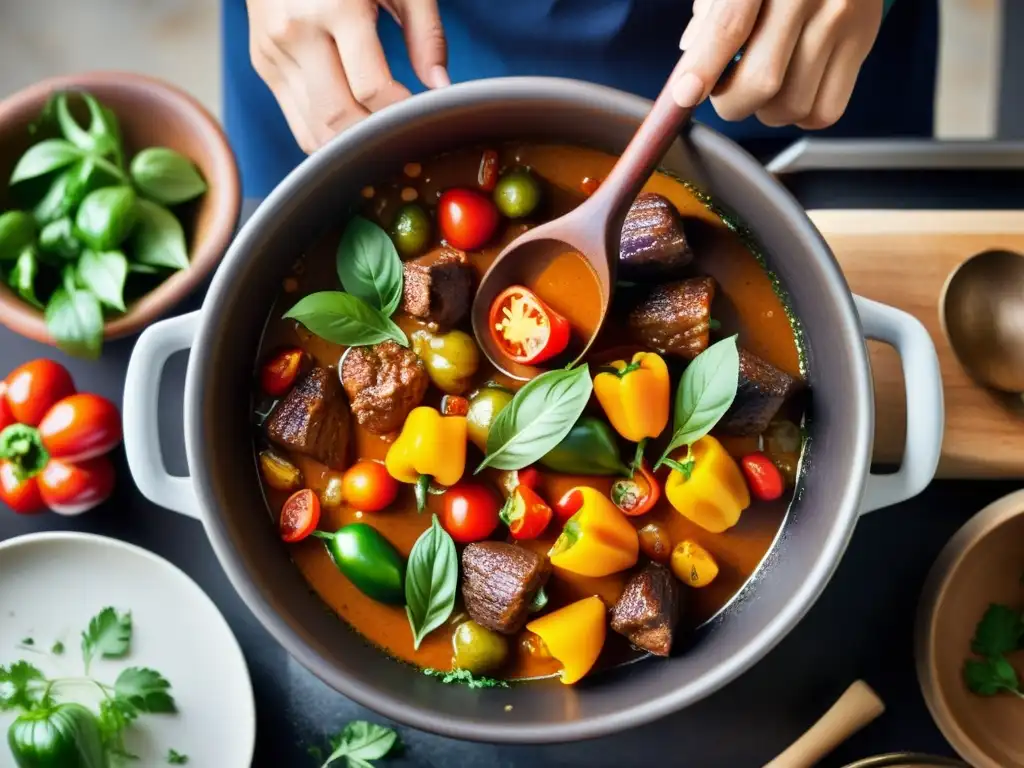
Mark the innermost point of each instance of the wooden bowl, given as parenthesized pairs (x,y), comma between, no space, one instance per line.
(983,563)
(151,113)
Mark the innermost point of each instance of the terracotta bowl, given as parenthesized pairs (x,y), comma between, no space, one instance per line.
(983,563)
(151,113)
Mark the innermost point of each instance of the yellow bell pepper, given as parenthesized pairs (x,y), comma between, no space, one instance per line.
(692,564)
(598,539)
(574,635)
(707,486)
(431,446)
(636,396)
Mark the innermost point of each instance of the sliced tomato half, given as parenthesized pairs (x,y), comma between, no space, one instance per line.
(526,329)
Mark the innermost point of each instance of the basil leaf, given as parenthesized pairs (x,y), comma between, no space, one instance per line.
(158,239)
(52,205)
(17,231)
(431,579)
(23,277)
(135,268)
(44,157)
(75,321)
(98,139)
(165,176)
(105,217)
(538,418)
(342,318)
(705,392)
(369,266)
(58,238)
(361,742)
(103,273)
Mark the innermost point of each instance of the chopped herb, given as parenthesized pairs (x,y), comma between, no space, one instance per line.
(359,743)
(176,758)
(20,687)
(28,641)
(999,632)
(57,649)
(464,677)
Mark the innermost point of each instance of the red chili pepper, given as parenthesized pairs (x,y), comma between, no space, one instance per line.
(526,329)
(763,477)
(569,504)
(279,373)
(487,176)
(636,495)
(526,514)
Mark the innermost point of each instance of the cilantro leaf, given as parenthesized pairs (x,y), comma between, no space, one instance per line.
(359,743)
(999,631)
(990,676)
(145,689)
(116,715)
(176,758)
(109,635)
(16,686)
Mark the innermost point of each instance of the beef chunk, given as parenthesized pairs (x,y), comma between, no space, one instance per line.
(313,419)
(438,287)
(384,382)
(762,390)
(653,243)
(648,609)
(675,318)
(499,582)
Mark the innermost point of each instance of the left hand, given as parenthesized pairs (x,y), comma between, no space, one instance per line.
(800,58)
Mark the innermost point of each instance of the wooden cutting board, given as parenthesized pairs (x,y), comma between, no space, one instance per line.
(902,258)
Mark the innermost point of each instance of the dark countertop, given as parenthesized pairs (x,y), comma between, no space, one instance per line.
(862,627)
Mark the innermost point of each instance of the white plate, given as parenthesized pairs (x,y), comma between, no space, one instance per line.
(51,584)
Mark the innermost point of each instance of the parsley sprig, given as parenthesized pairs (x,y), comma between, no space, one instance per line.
(360,742)
(1000,632)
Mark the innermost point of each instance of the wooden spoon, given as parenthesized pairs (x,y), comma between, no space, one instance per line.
(857,707)
(593,229)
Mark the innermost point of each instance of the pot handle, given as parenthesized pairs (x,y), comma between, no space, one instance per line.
(141,405)
(925,413)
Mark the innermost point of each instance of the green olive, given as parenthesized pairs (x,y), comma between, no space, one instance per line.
(478,649)
(484,407)
(517,194)
(411,230)
(451,358)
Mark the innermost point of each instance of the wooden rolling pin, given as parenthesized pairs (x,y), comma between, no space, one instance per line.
(857,707)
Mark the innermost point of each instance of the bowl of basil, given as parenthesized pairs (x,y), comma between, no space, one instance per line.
(119,193)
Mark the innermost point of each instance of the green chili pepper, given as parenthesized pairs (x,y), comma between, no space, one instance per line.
(368,560)
(590,448)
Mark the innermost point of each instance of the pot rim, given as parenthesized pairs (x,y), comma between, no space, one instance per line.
(295,188)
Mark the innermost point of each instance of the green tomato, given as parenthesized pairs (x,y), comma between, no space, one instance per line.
(105,217)
(484,407)
(517,194)
(478,649)
(368,560)
(451,358)
(65,736)
(411,230)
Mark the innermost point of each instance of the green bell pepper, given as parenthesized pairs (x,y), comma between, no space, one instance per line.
(368,560)
(65,736)
(590,448)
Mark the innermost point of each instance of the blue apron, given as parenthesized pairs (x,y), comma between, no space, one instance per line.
(626,44)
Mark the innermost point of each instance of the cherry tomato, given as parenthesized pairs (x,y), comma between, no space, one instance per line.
(453,405)
(487,175)
(528,514)
(467,218)
(21,496)
(568,505)
(71,489)
(6,417)
(300,516)
(638,494)
(280,372)
(470,511)
(589,185)
(526,329)
(368,487)
(80,427)
(34,387)
(763,477)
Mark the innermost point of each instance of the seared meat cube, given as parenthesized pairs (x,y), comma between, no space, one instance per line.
(384,382)
(499,582)
(675,318)
(653,243)
(762,390)
(313,419)
(648,609)
(438,287)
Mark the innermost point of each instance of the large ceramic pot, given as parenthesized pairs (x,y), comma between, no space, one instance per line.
(224,491)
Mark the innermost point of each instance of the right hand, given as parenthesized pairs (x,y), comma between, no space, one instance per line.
(324,62)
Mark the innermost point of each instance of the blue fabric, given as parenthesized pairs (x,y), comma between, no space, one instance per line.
(627,44)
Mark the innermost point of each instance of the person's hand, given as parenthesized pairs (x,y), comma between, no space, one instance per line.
(800,58)
(324,62)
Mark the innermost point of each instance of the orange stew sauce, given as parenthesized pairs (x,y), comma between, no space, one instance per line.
(746,302)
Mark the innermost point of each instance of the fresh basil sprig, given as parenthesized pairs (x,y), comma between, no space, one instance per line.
(704,394)
(341,318)
(368,265)
(431,581)
(538,418)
